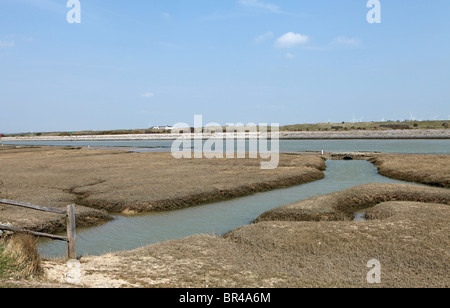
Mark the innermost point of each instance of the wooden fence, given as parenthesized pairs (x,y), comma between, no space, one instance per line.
(71,225)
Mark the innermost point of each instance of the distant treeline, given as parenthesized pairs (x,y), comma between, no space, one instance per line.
(347,126)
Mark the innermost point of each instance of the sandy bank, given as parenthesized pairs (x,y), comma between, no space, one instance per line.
(352,134)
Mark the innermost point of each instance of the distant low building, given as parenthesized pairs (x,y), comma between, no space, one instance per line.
(167,127)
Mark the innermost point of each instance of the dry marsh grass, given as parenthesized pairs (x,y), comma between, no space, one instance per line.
(105,181)
(411,242)
(311,243)
(425,169)
(341,205)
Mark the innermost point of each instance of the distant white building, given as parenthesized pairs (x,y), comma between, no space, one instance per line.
(167,127)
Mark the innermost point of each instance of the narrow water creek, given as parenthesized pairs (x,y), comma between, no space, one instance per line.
(127,233)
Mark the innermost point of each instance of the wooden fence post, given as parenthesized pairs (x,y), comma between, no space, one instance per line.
(71,232)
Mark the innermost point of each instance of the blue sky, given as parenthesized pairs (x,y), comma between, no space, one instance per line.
(131,64)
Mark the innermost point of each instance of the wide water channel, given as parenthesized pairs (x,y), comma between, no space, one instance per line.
(126,233)
(384,146)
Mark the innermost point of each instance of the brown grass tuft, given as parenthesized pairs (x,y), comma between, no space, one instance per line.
(21,249)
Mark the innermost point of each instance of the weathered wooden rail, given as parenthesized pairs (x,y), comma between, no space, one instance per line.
(71,224)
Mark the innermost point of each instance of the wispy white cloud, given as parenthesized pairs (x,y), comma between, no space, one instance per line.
(347,41)
(291,40)
(290,56)
(250,8)
(148,95)
(7,44)
(264,37)
(166,16)
(257,4)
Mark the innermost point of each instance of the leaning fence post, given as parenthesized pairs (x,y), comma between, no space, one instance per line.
(71,232)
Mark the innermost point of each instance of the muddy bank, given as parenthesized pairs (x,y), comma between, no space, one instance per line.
(193,199)
(289,254)
(101,182)
(342,205)
(425,169)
